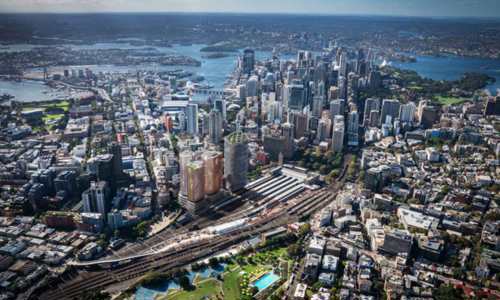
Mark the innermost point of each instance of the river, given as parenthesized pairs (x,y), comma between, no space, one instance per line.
(216,70)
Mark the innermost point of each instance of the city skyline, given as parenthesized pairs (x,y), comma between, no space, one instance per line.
(446,8)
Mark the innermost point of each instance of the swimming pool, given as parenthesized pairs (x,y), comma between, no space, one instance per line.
(265,281)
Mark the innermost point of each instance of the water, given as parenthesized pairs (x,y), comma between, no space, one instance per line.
(265,281)
(28,90)
(453,67)
(216,70)
(149,293)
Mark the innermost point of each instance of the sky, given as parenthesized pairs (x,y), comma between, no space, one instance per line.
(429,8)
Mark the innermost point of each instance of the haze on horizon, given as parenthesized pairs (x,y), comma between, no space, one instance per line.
(425,8)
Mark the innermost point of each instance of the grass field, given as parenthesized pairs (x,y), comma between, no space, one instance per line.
(207,288)
(443,100)
(228,288)
(231,285)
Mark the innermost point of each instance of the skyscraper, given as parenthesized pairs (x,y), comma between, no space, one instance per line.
(390,107)
(352,128)
(192,118)
(215,126)
(96,198)
(338,134)
(317,106)
(336,107)
(407,112)
(294,96)
(370,105)
(248,61)
(252,86)
(196,181)
(235,160)
(300,123)
(214,164)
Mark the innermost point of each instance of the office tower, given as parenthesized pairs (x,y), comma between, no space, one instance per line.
(215,126)
(214,165)
(336,107)
(374,118)
(300,123)
(252,86)
(66,182)
(184,158)
(275,112)
(181,120)
(195,181)
(342,62)
(352,128)
(192,118)
(235,160)
(407,112)
(370,105)
(428,116)
(333,93)
(338,134)
(97,198)
(303,58)
(205,124)
(248,61)
(168,123)
(242,92)
(323,131)
(317,106)
(390,107)
(102,167)
(492,107)
(116,151)
(374,79)
(46,178)
(220,105)
(294,96)
(342,84)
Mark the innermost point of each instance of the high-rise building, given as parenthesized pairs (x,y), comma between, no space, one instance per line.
(336,107)
(184,158)
(215,126)
(352,128)
(338,133)
(390,107)
(102,167)
(294,96)
(333,93)
(300,123)
(66,182)
(252,86)
(196,181)
(97,198)
(370,105)
(192,118)
(407,112)
(248,61)
(323,131)
(220,105)
(342,84)
(116,151)
(317,106)
(235,160)
(214,165)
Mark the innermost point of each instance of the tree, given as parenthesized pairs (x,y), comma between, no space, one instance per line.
(185,283)
(304,230)
(293,250)
(94,295)
(447,292)
(213,262)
